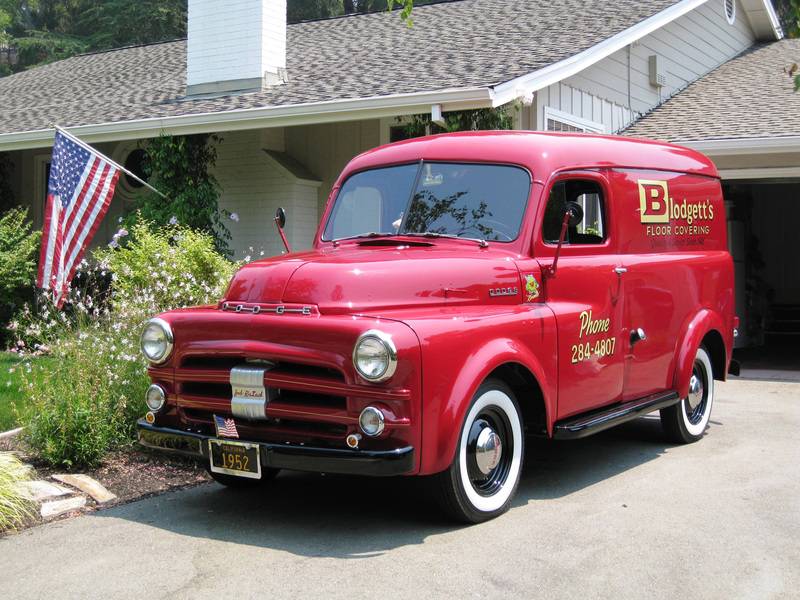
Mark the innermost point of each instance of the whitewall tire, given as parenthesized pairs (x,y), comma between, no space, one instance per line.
(485,472)
(687,421)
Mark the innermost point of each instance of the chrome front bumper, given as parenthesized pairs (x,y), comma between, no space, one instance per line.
(382,463)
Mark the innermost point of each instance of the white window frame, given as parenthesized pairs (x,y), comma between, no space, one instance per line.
(585,124)
(40,162)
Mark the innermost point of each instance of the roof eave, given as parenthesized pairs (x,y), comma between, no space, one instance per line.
(763,19)
(268,116)
(742,146)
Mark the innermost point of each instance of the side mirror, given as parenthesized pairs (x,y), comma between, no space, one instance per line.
(280,217)
(575,213)
(280,221)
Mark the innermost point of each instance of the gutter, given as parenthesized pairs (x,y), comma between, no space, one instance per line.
(265,116)
(739,146)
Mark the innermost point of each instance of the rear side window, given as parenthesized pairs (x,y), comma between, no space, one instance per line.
(589,195)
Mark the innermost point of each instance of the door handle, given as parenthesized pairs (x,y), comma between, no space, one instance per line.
(620,270)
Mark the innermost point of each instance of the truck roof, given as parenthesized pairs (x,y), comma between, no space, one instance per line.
(541,152)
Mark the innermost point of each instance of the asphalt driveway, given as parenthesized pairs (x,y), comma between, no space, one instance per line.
(620,515)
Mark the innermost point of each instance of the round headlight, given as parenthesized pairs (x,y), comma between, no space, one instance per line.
(371,421)
(157,341)
(375,356)
(155,398)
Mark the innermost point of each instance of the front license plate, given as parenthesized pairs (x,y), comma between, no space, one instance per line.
(235,458)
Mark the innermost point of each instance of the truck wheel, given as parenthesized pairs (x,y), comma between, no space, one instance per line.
(686,421)
(485,472)
(232,481)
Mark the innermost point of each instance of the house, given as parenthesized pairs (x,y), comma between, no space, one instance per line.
(294,103)
(745,115)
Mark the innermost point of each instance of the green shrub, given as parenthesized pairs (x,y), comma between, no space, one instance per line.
(18,250)
(84,400)
(163,268)
(14,508)
(181,168)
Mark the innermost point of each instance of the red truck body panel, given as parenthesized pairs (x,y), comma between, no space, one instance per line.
(663,267)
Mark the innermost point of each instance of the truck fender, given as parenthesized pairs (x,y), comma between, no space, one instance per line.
(692,336)
(472,373)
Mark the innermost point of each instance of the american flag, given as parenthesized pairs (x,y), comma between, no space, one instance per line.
(79,192)
(225,427)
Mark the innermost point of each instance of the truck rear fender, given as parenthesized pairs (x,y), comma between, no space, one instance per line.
(704,327)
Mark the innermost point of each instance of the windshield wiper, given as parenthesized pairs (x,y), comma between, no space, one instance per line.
(429,234)
(370,234)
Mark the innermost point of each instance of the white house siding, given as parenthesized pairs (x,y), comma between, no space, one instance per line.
(579,103)
(253,187)
(326,149)
(689,47)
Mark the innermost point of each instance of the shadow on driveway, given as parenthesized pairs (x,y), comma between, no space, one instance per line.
(355,517)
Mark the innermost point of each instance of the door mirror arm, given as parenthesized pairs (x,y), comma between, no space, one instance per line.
(573,214)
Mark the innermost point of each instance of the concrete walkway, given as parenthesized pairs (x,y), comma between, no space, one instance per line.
(620,515)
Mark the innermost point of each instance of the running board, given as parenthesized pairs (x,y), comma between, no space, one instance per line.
(590,423)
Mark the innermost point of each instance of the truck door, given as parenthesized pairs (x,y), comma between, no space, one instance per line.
(585,293)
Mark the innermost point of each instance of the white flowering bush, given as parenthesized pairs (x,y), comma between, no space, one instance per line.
(84,400)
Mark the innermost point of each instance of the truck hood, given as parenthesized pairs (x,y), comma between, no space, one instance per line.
(366,279)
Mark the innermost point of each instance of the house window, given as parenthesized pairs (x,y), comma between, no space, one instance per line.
(132,157)
(555,120)
(45,182)
(730,10)
(589,195)
(135,164)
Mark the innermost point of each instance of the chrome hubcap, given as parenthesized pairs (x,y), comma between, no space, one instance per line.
(695,391)
(488,450)
(696,402)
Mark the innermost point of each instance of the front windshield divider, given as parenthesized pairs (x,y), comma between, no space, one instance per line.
(411,197)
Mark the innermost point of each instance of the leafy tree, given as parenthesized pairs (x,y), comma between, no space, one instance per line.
(115,23)
(463,120)
(46,30)
(789,15)
(43,31)
(180,168)
(305,10)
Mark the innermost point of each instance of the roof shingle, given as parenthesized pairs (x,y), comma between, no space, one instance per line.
(460,44)
(750,96)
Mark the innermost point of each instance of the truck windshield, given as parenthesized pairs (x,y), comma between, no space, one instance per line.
(463,200)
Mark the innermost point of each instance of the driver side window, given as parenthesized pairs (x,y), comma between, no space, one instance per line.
(589,195)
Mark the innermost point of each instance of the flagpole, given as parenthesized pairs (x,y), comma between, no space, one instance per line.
(87,147)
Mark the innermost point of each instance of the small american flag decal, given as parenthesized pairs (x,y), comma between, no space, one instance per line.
(225,427)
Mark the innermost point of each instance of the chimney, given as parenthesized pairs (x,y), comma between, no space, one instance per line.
(235,46)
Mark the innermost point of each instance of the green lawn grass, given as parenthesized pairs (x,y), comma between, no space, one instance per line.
(10,394)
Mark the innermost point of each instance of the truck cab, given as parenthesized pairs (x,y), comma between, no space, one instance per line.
(463,291)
